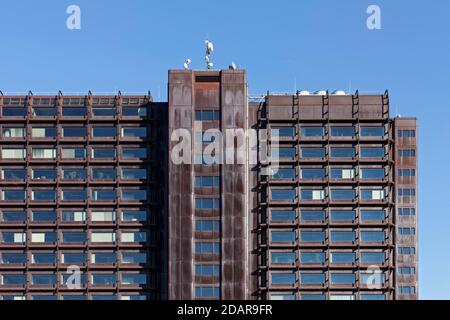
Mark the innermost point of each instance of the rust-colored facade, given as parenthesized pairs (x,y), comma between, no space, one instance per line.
(325,208)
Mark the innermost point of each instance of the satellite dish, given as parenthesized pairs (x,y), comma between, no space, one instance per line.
(232,66)
(186,63)
(339,93)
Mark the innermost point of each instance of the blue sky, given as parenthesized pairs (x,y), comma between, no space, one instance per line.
(303,44)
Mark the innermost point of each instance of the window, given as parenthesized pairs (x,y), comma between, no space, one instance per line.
(14,216)
(207,292)
(283,194)
(44,216)
(134,132)
(309,194)
(342,152)
(312,236)
(312,257)
(10,153)
(140,237)
(103,257)
(74,174)
(343,215)
(207,203)
(12,237)
(43,237)
(13,195)
(406,172)
(406,231)
(283,173)
(74,111)
(67,279)
(103,195)
(49,132)
(372,152)
(406,133)
(406,192)
(342,257)
(12,298)
(342,131)
(373,215)
(103,216)
(372,131)
(207,247)
(342,173)
(207,226)
(134,195)
(343,194)
(73,153)
(342,278)
(134,174)
(406,250)
(43,258)
(134,258)
(311,174)
(103,237)
(207,181)
(372,279)
(372,173)
(73,216)
(312,215)
(282,215)
(44,112)
(282,278)
(372,297)
(43,195)
(313,131)
(406,270)
(207,270)
(104,111)
(373,257)
(134,153)
(74,237)
(103,153)
(13,258)
(312,297)
(14,174)
(107,279)
(134,216)
(14,111)
(104,132)
(13,279)
(371,194)
(134,279)
(283,236)
(73,195)
(312,278)
(277,296)
(42,153)
(74,132)
(284,153)
(13,132)
(102,297)
(73,258)
(44,174)
(405,290)
(406,212)
(282,257)
(407,153)
(312,153)
(103,174)
(342,236)
(283,132)
(134,111)
(207,115)
(372,236)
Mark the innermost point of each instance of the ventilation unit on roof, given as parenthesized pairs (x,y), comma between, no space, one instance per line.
(339,93)
(303,93)
(321,93)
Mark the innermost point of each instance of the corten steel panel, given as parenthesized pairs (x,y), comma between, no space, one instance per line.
(155,121)
(410,261)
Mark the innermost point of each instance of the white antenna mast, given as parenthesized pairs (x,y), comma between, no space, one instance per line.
(209,50)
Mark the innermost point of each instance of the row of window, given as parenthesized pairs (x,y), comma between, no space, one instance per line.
(73,216)
(50,237)
(334,131)
(321,152)
(44,297)
(321,236)
(334,278)
(331,296)
(75,111)
(71,173)
(75,132)
(73,258)
(51,279)
(334,194)
(321,257)
(74,153)
(74,195)
(334,173)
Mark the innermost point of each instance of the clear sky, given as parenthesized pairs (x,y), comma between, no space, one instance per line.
(303,44)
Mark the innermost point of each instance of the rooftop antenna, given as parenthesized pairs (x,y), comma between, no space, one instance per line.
(186,63)
(232,66)
(209,50)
